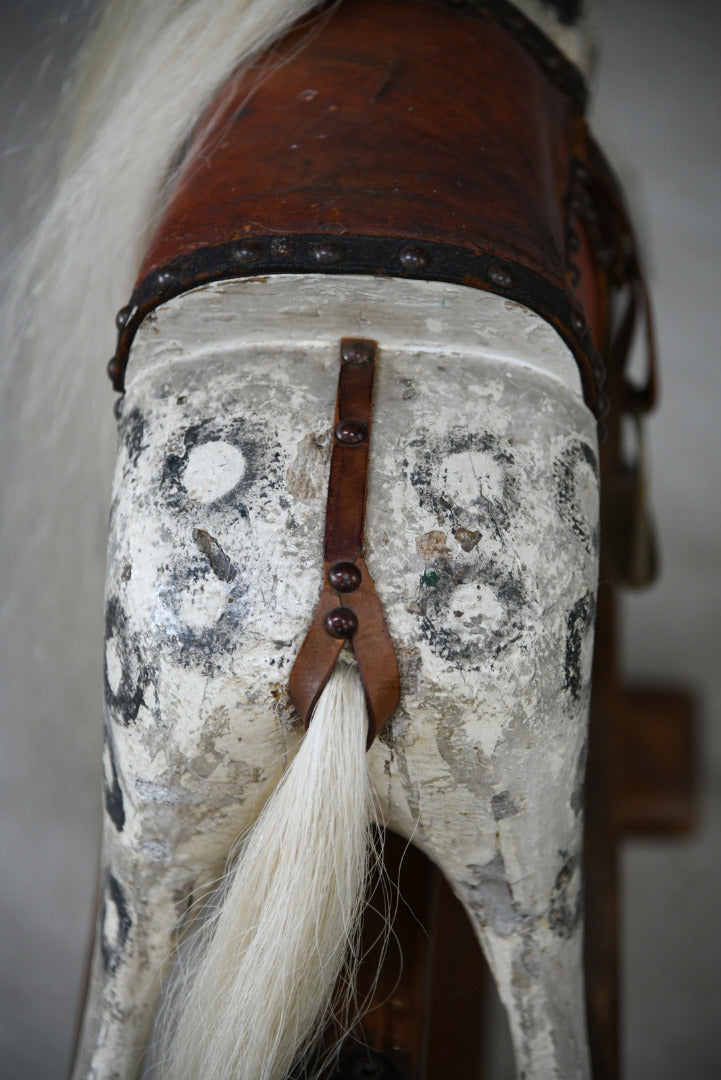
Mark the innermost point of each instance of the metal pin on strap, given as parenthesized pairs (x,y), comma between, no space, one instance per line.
(349,609)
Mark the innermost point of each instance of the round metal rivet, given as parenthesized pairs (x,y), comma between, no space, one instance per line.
(165,279)
(356,352)
(121,319)
(118,407)
(247,251)
(578,322)
(344,577)
(414,258)
(114,371)
(341,622)
(351,432)
(574,275)
(604,405)
(500,276)
(328,253)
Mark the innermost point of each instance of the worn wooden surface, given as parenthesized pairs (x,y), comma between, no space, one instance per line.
(481,536)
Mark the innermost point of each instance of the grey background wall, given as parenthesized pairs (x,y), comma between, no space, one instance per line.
(656,109)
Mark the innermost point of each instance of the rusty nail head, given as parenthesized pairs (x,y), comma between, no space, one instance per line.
(500,276)
(357,351)
(341,622)
(344,577)
(328,252)
(247,251)
(414,258)
(351,432)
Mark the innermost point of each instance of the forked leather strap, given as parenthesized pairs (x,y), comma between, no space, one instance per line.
(349,609)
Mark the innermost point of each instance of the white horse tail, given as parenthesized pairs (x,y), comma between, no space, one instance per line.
(263,969)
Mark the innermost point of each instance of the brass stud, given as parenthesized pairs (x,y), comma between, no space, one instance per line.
(165,279)
(344,577)
(121,319)
(357,351)
(247,251)
(351,432)
(578,322)
(328,252)
(414,258)
(500,276)
(341,622)
(115,371)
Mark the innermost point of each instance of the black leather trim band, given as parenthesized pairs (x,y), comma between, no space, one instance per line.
(371,256)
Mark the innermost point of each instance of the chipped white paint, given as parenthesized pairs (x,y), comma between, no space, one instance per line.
(482,540)
(213,469)
(315,310)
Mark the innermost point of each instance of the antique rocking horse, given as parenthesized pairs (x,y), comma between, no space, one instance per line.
(362,358)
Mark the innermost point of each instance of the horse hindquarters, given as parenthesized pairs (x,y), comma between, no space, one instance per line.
(482,515)
(481,536)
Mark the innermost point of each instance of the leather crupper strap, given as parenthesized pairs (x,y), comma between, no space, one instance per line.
(349,610)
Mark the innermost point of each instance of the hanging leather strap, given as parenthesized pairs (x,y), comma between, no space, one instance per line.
(626,277)
(349,609)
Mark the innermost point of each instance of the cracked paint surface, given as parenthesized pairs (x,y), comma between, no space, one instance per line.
(481,538)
